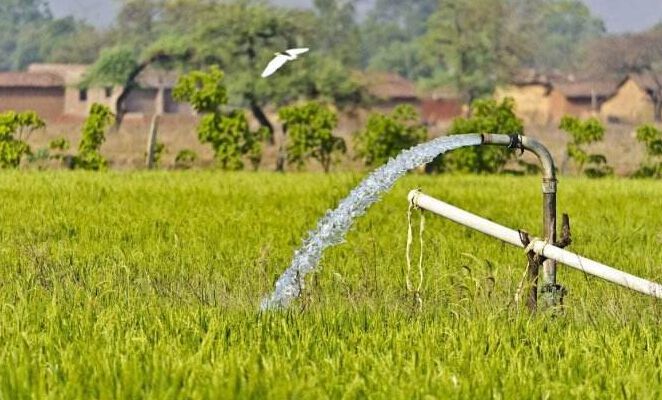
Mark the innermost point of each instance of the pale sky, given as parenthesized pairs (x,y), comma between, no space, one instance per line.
(619,15)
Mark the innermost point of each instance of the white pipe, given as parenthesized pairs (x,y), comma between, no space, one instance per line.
(539,246)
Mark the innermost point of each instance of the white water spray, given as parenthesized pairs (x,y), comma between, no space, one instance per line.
(331,229)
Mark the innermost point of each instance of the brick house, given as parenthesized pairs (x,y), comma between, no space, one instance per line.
(38,91)
(53,90)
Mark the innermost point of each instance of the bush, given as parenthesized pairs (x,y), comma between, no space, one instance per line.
(228,133)
(487,116)
(651,137)
(584,133)
(14,129)
(309,130)
(94,134)
(185,159)
(385,136)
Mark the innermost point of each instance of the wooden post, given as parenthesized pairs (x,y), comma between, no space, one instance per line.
(151,141)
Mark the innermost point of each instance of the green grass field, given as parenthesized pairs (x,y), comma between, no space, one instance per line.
(147,285)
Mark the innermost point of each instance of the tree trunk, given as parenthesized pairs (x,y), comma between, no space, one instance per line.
(262,119)
(282,153)
(658,107)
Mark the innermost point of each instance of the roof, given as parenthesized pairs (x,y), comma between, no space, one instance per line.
(598,88)
(71,73)
(30,79)
(388,85)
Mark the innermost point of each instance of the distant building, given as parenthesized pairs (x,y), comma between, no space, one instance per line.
(581,99)
(37,91)
(633,100)
(386,90)
(53,90)
(442,105)
(543,99)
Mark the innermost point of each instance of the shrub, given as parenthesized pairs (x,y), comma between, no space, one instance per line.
(651,137)
(228,133)
(185,159)
(14,129)
(385,136)
(309,129)
(487,116)
(584,133)
(94,134)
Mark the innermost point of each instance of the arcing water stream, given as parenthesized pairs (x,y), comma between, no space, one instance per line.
(331,229)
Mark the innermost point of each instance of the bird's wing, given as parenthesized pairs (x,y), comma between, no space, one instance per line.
(296,52)
(273,65)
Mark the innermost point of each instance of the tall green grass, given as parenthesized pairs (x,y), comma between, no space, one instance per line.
(147,285)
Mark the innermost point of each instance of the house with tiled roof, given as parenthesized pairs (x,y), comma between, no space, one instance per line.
(635,99)
(545,98)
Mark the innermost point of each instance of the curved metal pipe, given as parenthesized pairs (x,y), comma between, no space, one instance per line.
(549,208)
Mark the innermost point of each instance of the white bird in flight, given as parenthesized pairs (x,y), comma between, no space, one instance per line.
(281,59)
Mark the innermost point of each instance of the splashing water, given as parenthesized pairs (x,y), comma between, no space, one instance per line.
(331,229)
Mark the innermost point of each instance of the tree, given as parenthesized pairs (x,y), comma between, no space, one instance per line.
(337,32)
(385,136)
(94,134)
(228,132)
(391,36)
(241,37)
(584,133)
(309,130)
(15,128)
(562,28)
(487,116)
(29,33)
(651,137)
(473,45)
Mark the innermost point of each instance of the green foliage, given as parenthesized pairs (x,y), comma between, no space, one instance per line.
(94,134)
(185,159)
(651,137)
(585,133)
(487,116)
(204,90)
(15,127)
(29,33)
(112,68)
(228,133)
(385,136)
(563,27)
(309,128)
(391,36)
(470,47)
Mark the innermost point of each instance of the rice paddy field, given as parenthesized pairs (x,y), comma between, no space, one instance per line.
(148,285)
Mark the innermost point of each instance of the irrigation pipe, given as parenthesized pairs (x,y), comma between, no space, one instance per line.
(538,246)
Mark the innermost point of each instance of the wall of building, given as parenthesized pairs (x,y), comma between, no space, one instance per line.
(629,104)
(78,102)
(560,105)
(532,103)
(47,102)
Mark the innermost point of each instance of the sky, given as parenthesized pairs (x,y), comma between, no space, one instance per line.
(619,15)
